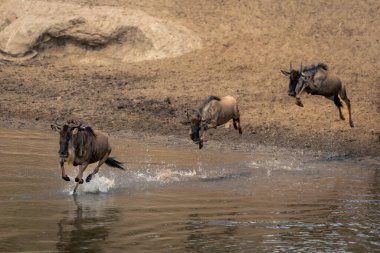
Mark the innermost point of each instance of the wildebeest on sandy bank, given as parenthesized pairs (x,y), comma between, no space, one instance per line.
(317,80)
(82,146)
(214,112)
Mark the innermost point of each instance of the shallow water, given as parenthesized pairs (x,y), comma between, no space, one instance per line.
(180,199)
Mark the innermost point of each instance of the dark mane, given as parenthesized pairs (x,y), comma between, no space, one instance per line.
(314,68)
(208,100)
(88,130)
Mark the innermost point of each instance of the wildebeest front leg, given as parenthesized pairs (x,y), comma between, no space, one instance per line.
(204,126)
(80,173)
(298,96)
(201,140)
(76,187)
(64,175)
(299,102)
(79,179)
(96,170)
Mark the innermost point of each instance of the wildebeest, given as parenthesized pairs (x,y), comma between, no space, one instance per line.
(294,75)
(82,146)
(317,80)
(214,112)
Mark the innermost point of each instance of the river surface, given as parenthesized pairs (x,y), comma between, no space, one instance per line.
(181,199)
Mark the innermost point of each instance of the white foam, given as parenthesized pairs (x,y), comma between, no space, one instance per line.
(97,184)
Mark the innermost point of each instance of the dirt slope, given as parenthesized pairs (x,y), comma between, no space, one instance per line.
(244,45)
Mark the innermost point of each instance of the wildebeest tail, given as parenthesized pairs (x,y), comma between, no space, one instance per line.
(114,163)
(212,98)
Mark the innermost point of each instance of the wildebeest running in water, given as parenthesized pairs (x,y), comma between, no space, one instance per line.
(317,80)
(214,112)
(82,146)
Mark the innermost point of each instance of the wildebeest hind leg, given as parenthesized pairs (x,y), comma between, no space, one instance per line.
(236,120)
(237,125)
(348,103)
(338,104)
(343,95)
(234,123)
(96,170)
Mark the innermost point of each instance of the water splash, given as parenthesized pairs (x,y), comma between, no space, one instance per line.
(175,175)
(98,184)
(166,175)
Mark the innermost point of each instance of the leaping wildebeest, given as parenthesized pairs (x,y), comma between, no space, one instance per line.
(82,146)
(214,112)
(317,80)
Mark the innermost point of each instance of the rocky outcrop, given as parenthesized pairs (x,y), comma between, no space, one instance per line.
(89,34)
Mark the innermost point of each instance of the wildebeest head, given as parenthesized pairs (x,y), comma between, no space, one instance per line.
(294,76)
(66,131)
(195,126)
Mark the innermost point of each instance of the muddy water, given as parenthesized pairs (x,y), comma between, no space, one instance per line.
(185,200)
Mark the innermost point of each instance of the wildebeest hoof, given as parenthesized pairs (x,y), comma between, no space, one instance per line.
(88,178)
(351,124)
(66,178)
(299,103)
(200,144)
(79,180)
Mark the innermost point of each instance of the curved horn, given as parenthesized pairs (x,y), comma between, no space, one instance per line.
(290,66)
(301,68)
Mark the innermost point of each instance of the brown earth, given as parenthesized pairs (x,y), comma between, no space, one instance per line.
(244,45)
